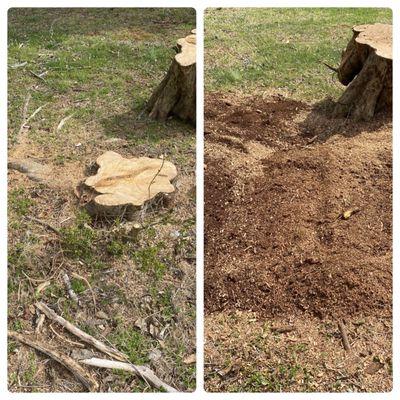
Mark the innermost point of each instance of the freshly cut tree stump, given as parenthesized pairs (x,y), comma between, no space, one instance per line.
(123,186)
(366,67)
(176,94)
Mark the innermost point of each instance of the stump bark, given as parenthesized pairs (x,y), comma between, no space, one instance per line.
(122,186)
(366,70)
(176,94)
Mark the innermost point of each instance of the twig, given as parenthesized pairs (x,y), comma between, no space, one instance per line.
(80,334)
(155,176)
(331,68)
(71,292)
(18,65)
(75,275)
(77,370)
(283,329)
(343,332)
(140,370)
(39,323)
(36,75)
(24,113)
(81,345)
(45,224)
(63,121)
(35,112)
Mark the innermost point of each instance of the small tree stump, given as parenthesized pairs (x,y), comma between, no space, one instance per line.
(366,70)
(176,94)
(123,186)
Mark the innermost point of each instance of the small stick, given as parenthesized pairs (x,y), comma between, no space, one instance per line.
(345,339)
(39,323)
(142,371)
(331,68)
(81,345)
(283,329)
(80,334)
(36,75)
(75,275)
(63,121)
(45,224)
(71,292)
(24,114)
(82,375)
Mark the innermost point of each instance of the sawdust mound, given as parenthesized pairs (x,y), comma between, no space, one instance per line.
(279,245)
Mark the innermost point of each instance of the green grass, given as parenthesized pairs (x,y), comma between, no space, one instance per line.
(132,343)
(98,64)
(257,49)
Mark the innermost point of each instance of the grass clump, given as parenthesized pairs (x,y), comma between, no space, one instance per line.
(78,240)
(133,344)
(149,262)
(19,203)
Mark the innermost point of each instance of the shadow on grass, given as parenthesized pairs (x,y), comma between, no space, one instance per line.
(136,127)
(320,126)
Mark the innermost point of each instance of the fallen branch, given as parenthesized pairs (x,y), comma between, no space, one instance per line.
(343,332)
(142,371)
(82,375)
(80,334)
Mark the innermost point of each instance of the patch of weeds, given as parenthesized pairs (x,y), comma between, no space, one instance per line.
(11,346)
(17,325)
(19,202)
(53,291)
(163,302)
(149,262)
(90,330)
(78,285)
(78,240)
(28,375)
(133,344)
(116,248)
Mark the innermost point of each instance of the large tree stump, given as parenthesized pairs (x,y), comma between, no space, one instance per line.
(123,186)
(366,70)
(176,94)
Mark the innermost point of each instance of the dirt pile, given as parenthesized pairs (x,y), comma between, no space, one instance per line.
(275,241)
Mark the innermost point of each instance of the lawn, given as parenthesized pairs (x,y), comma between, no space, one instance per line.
(280,49)
(84,77)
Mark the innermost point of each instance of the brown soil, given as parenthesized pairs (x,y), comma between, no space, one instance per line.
(275,242)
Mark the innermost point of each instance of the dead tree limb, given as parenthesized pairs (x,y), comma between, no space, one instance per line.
(83,376)
(141,371)
(80,334)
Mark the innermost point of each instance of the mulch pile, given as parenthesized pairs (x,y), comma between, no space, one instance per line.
(280,245)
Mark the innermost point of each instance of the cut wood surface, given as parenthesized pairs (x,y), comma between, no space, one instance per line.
(366,70)
(122,185)
(83,376)
(79,333)
(176,94)
(140,370)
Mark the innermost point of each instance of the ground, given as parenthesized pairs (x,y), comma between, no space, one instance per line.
(298,211)
(88,74)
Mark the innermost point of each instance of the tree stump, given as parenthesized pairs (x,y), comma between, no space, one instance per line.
(123,186)
(366,70)
(176,94)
